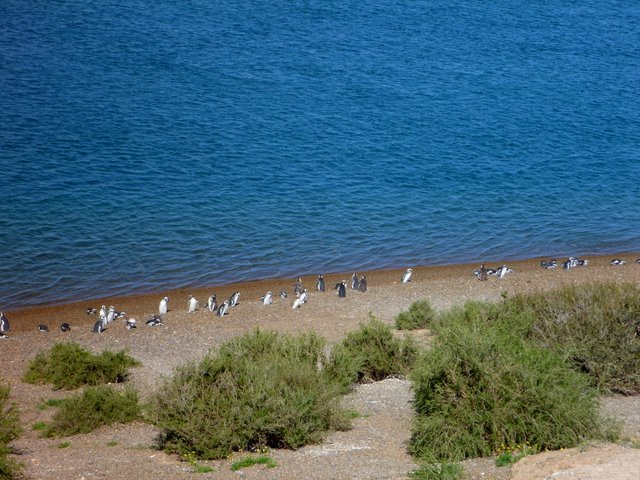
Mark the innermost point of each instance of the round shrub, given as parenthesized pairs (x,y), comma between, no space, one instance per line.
(261,389)
(419,315)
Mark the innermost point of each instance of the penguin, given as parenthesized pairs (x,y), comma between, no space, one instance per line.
(617,261)
(43,328)
(320,284)
(4,323)
(567,265)
(130,323)
(154,321)
(211,303)
(304,296)
(583,263)
(111,314)
(234,299)
(482,273)
(354,281)
(297,287)
(502,271)
(297,303)
(65,327)
(267,299)
(406,276)
(342,289)
(362,285)
(637,260)
(192,304)
(164,304)
(553,263)
(283,294)
(103,311)
(120,315)
(222,310)
(98,327)
(91,311)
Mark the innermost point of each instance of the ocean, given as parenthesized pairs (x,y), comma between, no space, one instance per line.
(148,146)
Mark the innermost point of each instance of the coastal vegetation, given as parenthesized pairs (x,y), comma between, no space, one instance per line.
(527,371)
(273,390)
(69,366)
(9,430)
(419,315)
(94,407)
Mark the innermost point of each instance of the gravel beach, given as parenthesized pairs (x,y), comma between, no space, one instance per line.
(374,449)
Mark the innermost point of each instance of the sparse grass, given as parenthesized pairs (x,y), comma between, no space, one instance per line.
(261,389)
(64,445)
(96,406)
(250,461)
(69,366)
(39,426)
(112,443)
(507,455)
(369,354)
(197,468)
(485,384)
(52,402)
(437,471)
(9,430)
(419,315)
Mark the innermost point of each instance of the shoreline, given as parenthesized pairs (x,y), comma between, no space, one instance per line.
(146,304)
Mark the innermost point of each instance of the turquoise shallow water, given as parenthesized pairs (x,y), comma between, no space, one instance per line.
(154,145)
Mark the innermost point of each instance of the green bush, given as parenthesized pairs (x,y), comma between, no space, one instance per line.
(484,384)
(594,327)
(9,431)
(261,389)
(369,354)
(437,471)
(419,315)
(96,406)
(69,366)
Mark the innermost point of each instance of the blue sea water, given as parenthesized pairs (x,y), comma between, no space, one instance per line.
(154,145)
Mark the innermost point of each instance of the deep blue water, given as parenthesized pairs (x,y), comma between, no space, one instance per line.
(152,145)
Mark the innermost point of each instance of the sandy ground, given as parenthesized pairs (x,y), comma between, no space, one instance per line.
(374,449)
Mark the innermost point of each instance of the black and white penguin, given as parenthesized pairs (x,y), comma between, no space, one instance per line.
(91,311)
(637,260)
(320,284)
(502,271)
(617,261)
(342,289)
(304,296)
(65,327)
(43,328)
(362,284)
(354,281)
(4,325)
(130,323)
(234,299)
(481,273)
(192,304)
(222,310)
(154,321)
(99,326)
(298,302)
(283,294)
(268,298)
(164,305)
(111,314)
(553,263)
(297,287)
(211,303)
(406,276)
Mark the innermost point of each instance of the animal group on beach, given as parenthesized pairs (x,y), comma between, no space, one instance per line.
(358,283)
